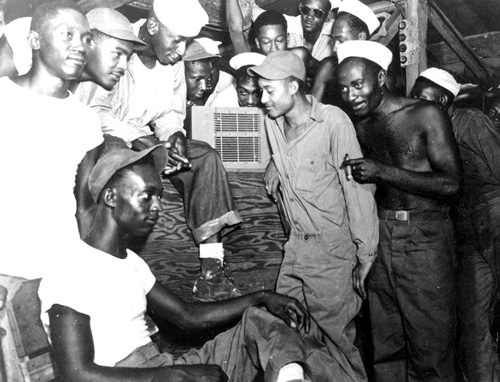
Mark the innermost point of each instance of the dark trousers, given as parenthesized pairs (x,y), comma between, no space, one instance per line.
(478,248)
(208,202)
(411,294)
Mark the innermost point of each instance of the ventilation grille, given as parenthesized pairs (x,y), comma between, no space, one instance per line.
(238,137)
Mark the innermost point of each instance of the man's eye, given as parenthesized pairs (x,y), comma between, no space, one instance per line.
(359,85)
(280,39)
(343,89)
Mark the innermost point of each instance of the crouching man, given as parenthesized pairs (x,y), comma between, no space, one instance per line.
(93,305)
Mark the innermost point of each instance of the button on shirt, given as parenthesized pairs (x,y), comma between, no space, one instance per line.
(317,195)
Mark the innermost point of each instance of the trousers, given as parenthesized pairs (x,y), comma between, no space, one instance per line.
(411,296)
(208,202)
(478,250)
(317,270)
(259,342)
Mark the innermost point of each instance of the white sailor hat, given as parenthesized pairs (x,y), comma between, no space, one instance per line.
(442,78)
(370,50)
(183,17)
(361,11)
(246,58)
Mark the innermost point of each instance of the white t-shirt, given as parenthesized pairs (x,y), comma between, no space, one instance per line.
(44,140)
(226,98)
(111,291)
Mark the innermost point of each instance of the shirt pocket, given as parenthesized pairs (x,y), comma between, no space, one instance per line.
(310,173)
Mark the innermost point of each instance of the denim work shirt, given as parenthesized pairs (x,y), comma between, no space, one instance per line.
(316,193)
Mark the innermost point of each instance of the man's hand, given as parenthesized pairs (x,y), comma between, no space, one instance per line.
(191,373)
(177,154)
(364,170)
(272,181)
(289,310)
(359,276)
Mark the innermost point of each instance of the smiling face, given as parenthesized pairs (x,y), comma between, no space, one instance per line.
(310,22)
(63,44)
(360,86)
(109,58)
(168,47)
(137,203)
(271,38)
(277,96)
(197,76)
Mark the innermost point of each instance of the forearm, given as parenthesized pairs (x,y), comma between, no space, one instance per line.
(430,184)
(234,19)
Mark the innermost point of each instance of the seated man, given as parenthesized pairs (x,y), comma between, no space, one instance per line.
(148,105)
(246,91)
(97,329)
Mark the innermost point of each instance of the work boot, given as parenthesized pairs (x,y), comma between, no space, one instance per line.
(215,282)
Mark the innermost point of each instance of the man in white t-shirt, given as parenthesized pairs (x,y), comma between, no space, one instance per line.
(98,331)
(57,132)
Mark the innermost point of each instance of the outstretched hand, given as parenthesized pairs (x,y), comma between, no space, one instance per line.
(364,170)
(289,310)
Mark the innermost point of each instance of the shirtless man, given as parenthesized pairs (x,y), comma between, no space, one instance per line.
(411,154)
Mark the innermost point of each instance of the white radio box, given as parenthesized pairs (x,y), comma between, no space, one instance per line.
(237,133)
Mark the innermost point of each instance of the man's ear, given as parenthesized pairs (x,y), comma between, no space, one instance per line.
(382,77)
(443,100)
(293,86)
(109,197)
(362,36)
(152,26)
(257,43)
(34,40)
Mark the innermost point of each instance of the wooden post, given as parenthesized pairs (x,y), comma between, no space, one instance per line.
(417,12)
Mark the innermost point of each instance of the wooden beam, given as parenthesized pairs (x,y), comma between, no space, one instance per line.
(88,5)
(457,42)
(416,13)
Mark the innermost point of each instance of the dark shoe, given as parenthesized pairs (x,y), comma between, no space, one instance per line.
(215,282)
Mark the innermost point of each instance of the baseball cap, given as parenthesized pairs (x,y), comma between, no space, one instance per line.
(370,50)
(196,51)
(114,24)
(183,17)
(109,164)
(442,78)
(280,65)
(362,12)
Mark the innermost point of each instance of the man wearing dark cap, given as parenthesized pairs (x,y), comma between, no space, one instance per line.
(477,225)
(149,105)
(97,329)
(334,231)
(412,157)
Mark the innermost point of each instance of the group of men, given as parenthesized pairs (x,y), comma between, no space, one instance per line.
(393,246)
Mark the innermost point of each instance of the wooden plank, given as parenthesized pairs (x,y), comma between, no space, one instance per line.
(457,42)
(88,5)
(417,11)
(484,45)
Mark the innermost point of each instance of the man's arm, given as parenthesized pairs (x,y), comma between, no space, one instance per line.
(222,313)
(324,74)
(73,352)
(442,180)
(234,20)
(359,201)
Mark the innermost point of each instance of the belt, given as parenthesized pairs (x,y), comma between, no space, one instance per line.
(305,235)
(407,216)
